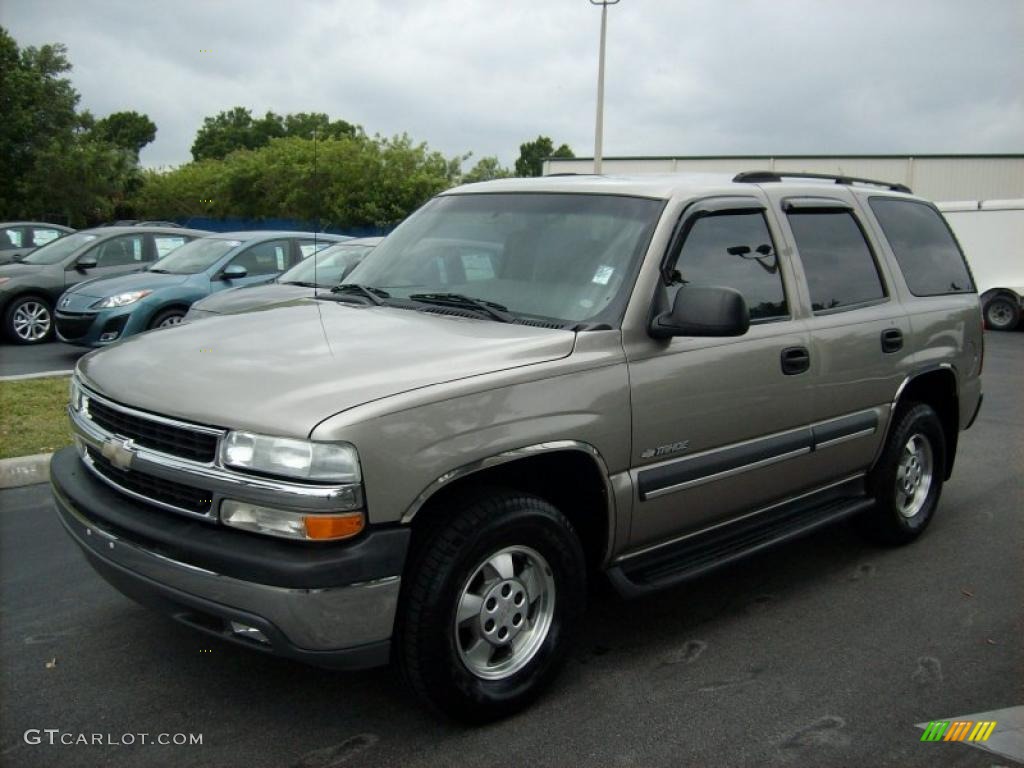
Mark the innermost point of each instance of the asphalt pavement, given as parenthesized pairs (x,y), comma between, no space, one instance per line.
(824,652)
(17,360)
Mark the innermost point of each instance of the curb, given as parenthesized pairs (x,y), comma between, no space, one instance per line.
(40,375)
(25,470)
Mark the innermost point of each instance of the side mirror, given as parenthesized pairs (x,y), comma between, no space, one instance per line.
(707,311)
(86,262)
(233,272)
(19,257)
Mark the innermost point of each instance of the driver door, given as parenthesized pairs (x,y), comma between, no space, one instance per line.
(720,424)
(116,256)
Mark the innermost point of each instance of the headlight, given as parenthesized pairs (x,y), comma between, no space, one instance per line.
(286,457)
(121,299)
(75,394)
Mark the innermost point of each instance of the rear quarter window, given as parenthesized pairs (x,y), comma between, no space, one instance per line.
(925,249)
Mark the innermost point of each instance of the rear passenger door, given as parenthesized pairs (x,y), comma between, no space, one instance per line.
(859,331)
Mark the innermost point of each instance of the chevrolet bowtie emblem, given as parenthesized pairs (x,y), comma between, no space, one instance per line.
(119,453)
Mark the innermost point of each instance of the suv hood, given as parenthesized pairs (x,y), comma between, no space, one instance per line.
(102,287)
(284,369)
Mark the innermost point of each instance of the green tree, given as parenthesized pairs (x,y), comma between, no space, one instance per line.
(532,154)
(236,129)
(82,181)
(128,130)
(487,168)
(345,181)
(38,106)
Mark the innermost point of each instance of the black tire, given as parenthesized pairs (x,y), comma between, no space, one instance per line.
(1002,313)
(168,314)
(428,640)
(890,521)
(20,305)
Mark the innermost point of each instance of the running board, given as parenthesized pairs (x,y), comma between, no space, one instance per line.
(703,552)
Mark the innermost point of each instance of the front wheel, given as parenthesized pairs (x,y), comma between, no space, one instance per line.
(1002,313)
(167,318)
(907,481)
(28,320)
(492,599)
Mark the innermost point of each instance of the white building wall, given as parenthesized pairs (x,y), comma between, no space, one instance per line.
(937,177)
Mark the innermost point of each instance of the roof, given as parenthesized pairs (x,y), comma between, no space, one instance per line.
(267,234)
(652,185)
(131,230)
(61,227)
(981,156)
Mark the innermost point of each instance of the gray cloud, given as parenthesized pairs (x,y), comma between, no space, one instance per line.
(693,77)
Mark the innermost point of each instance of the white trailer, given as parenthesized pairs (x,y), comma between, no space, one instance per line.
(991,232)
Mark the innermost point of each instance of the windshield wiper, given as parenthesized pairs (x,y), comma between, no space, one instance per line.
(161,271)
(490,308)
(375,295)
(302,284)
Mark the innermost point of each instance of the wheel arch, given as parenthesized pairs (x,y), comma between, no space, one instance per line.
(571,475)
(937,387)
(173,304)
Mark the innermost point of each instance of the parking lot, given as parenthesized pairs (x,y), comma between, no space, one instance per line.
(40,358)
(824,652)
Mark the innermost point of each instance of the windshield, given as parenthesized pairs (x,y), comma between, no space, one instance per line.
(58,250)
(565,257)
(327,267)
(194,257)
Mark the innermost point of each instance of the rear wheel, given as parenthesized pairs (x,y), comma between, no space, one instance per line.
(167,318)
(907,480)
(1002,313)
(491,601)
(28,320)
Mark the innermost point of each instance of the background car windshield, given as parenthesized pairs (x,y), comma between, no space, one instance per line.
(328,267)
(564,257)
(194,257)
(58,250)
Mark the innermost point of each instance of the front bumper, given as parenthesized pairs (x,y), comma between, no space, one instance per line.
(89,328)
(328,606)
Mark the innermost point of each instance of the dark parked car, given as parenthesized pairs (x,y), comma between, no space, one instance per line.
(30,289)
(100,312)
(324,271)
(18,238)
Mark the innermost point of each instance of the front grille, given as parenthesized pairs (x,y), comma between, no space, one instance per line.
(71,326)
(177,441)
(157,488)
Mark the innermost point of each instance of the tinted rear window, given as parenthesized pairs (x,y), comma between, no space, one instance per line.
(840,269)
(925,249)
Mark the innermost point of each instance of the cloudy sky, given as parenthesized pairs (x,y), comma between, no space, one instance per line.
(684,76)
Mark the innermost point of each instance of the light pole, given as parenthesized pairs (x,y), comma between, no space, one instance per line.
(599,125)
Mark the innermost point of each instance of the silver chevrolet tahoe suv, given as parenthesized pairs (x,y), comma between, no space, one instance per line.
(532,383)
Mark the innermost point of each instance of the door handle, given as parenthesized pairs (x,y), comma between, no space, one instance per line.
(892,340)
(795,360)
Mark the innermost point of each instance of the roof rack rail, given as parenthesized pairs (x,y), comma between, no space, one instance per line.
(760,177)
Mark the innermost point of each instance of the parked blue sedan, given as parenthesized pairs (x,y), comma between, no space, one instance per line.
(99,312)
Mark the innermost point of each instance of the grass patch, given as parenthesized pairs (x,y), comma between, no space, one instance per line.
(32,416)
